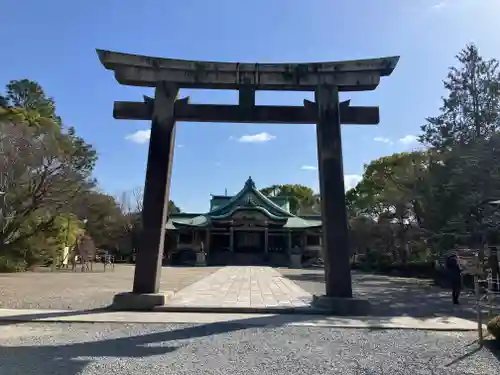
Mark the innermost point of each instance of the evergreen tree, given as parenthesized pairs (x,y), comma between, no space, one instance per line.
(471,109)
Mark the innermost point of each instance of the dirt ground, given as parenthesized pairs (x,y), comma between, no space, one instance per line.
(89,290)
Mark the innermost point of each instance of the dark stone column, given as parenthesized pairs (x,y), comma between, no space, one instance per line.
(231,239)
(266,241)
(331,181)
(156,191)
(207,241)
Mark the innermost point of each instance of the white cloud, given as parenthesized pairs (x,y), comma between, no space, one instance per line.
(351,180)
(383,140)
(256,138)
(309,168)
(140,136)
(439,5)
(409,140)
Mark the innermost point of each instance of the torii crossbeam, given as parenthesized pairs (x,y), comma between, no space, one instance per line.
(326,79)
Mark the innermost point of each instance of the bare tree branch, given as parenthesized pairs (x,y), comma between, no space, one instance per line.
(37,178)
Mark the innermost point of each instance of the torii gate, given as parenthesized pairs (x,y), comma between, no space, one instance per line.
(326,79)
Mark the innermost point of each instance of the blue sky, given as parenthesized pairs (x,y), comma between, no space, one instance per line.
(54,42)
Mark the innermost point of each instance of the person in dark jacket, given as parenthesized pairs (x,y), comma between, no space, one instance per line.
(455,276)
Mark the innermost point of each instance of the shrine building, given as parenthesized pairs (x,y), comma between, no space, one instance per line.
(245,229)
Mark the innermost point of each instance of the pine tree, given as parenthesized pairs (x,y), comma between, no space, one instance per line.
(471,109)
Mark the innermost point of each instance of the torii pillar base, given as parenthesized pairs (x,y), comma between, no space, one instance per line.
(130,301)
(342,306)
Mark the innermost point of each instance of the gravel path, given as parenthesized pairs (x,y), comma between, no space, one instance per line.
(71,349)
(81,291)
(391,296)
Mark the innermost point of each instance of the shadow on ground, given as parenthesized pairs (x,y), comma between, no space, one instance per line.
(72,359)
(52,314)
(393,296)
(494,347)
(68,359)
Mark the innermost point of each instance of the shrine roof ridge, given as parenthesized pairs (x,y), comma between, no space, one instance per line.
(139,70)
(221,196)
(228,207)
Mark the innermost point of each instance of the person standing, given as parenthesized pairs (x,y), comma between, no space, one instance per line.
(455,277)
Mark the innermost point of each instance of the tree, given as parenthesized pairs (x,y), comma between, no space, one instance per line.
(102,215)
(38,180)
(391,184)
(131,205)
(463,174)
(299,196)
(173,208)
(29,96)
(471,110)
(40,111)
(43,169)
(392,194)
(48,246)
(442,191)
(472,178)
(68,227)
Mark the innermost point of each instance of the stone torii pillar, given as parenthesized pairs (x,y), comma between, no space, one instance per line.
(332,191)
(335,233)
(145,292)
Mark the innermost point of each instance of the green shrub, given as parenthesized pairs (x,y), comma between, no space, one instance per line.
(494,327)
(10,264)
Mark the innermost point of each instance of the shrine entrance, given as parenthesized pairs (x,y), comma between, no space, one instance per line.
(168,76)
(249,247)
(249,241)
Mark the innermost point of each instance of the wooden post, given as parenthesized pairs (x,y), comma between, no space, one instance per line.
(156,191)
(331,180)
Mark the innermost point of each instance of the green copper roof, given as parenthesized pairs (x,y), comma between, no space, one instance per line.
(247,208)
(282,202)
(178,222)
(298,222)
(202,221)
(218,201)
(248,199)
(250,196)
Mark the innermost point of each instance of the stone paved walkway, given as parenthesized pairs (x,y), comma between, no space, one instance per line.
(242,287)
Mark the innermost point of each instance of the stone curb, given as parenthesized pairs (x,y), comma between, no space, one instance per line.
(241,310)
(306,310)
(12,316)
